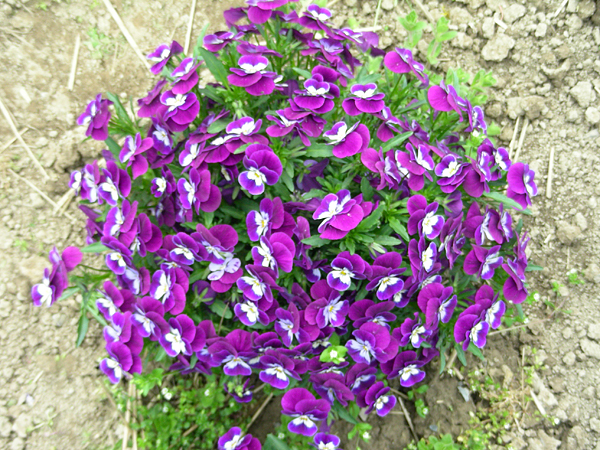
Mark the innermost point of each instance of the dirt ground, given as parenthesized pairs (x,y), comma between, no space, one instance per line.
(545,55)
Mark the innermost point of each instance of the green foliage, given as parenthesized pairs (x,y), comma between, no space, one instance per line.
(414,27)
(182,412)
(98,44)
(573,277)
(441,34)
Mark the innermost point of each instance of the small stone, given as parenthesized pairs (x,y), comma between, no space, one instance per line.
(533,106)
(53,133)
(514,107)
(572,116)
(541,30)
(17,444)
(581,221)
(595,425)
(547,398)
(387,5)
(460,16)
(514,12)
(583,93)
(497,48)
(557,384)
(592,115)
(567,233)
(563,52)
(508,376)
(487,28)
(21,425)
(58,319)
(572,6)
(569,359)
(5,427)
(586,9)
(462,40)
(574,22)
(567,333)
(548,442)
(590,348)
(593,331)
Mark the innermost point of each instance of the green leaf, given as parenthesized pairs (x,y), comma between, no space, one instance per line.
(344,414)
(274,443)
(461,354)
(303,73)
(221,309)
(372,219)
(476,351)
(366,188)
(217,126)
(396,140)
(200,40)
(387,240)
(68,293)
(507,201)
(287,180)
(113,147)
(399,228)
(241,149)
(82,328)
(215,66)
(119,108)
(533,267)
(231,211)
(315,241)
(319,151)
(96,247)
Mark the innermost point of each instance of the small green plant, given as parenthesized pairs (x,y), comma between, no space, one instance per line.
(21,244)
(414,394)
(99,44)
(43,6)
(573,276)
(441,34)
(414,27)
(556,287)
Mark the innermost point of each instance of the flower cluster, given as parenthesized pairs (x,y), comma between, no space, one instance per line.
(300,219)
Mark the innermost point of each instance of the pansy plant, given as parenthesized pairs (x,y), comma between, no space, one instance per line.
(308,217)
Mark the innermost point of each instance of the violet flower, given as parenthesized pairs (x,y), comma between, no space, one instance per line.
(148,318)
(186,76)
(252,76)
(96,117)
(234,439)
(363,311)
(317,95)
(86,182)
(361,377)
(471,327)
(372,342)
(451,171)
(514,287)
(113,300)
(411,331)
(364,100)
(331,387)
(268,218)
(132,154)
(277,369)
(445,98)
(377,398)
(119,258)
(437,303)
(148,238)
(120,222)
(386,275)
(275,252)
(422,256)
(494,308)
(348,141)
(169,287)
(119,362)
(115,184)
(521,185)
(400,60)
(339,214)
(150,105)
(483,261)
(345,268)
(55,279)
(224,274)
(423,218)
(315,18)
(181,110)
(233,351)
(120,329)
(183,337)
(406,366)
(181,248)
(328,307)
(161,56)
(305,410)
(264,168)
(198,192)
(219,40)
(136,280)
(324,441)
(258,284)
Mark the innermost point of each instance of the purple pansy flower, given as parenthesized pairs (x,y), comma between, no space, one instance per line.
(268,218)
(86,182)
(406,366)
(422,256)
(252,76)
(437,303)
(96,118)
(365,310)
(451,171)
(148,318)
(115,184)
(181,109)
(348,141)
(514,287)
(161,56)
(263,168)
(483,261)
(132,154)
(471,327)
(183,337)
(411,331)
(258,284)
(119,258)
(120,222)
(494,308)
(277,369)
(345,268)
(360,377)
(186,76)
(364,100)
(423,218)
(119,362)
(113,300)
(219,40)
(234,439)
(151,104)
(377,398)
(521,186)
(198,192)
(317,96)
(305,410)
(315,18)
(328,307)
(324,441)
(233,351)
(386,275)
(55,279)
(445,98)
(330,385)
(276,252)
(339,214)
(169,287)
(372,342)
(400,60)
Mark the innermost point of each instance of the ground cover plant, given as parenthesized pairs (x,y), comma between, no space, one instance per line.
(319,220)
